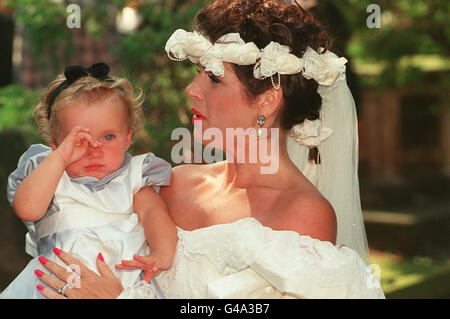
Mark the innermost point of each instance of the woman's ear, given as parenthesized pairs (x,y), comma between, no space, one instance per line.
(270,102)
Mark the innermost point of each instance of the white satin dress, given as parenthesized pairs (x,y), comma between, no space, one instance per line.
(245,259)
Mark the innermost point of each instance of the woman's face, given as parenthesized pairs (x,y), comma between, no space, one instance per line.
(219,102)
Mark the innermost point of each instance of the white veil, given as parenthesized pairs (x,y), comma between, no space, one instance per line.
(336,176)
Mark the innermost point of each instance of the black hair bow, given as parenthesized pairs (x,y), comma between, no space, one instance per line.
(72,73)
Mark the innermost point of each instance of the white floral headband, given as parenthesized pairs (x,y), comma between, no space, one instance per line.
(275,59)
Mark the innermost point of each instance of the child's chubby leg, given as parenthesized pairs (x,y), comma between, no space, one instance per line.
(160,232)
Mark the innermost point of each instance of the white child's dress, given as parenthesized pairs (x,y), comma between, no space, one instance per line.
(87,216)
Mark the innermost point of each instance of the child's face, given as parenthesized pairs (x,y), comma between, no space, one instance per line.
(107,122)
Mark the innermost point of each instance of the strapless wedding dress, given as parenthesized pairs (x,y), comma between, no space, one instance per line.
(245,259)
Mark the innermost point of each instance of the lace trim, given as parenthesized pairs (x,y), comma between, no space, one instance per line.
(228,248)
(168,278)
(290,262)
(297,265)
(142,290)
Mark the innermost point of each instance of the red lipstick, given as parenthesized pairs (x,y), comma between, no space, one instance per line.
(197,115)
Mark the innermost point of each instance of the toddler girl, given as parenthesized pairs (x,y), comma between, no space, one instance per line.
(77,194)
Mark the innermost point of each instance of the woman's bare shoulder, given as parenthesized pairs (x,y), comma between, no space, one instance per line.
(307,212)
(187,175)
(188,172)
(182,177)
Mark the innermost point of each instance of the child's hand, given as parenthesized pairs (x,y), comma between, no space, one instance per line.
(75,145)
(152,264)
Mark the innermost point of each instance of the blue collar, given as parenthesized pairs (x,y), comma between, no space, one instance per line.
(95,184)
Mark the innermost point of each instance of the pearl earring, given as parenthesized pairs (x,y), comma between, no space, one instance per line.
(260,120)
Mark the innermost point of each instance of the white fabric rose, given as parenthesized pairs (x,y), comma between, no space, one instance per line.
(323,68)
(196,45)
(230,38)
(309,133)
(267,65)
(176,44)
(183,44)
(289,64)
(241,54)
(229,48)
(212,61)
(337,65)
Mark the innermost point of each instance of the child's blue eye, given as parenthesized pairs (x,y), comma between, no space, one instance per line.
(109,137)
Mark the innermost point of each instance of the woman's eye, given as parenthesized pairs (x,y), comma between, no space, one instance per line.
(198,70)
(214,78)
(109,137)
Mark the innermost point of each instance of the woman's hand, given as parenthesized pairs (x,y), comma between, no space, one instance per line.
(85,285)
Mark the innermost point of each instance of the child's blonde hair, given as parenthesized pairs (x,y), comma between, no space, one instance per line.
(90,89)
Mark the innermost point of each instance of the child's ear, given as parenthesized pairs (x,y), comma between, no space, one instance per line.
(129,137)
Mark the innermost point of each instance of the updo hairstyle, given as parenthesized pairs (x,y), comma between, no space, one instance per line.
(263,21)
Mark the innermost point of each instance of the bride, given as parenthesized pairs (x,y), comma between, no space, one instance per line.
(242,233)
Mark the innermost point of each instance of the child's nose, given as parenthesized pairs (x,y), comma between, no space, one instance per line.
(94,152)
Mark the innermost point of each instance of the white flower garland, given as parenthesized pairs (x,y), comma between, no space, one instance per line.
(273,59)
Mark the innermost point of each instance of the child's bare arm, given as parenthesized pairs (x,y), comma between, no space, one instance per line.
(160,230)
(34,194)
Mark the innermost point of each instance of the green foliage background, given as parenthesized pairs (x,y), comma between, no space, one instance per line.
(411,49)
(141,57)
(414,33)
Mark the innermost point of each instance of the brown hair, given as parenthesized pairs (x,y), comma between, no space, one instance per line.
(263,21)
(87,88)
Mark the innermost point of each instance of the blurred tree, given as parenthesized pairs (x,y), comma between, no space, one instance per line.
(6,38)
(409,28)
(141,54)
(412,33)
(16,107)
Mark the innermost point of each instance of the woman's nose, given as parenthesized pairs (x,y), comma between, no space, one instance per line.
(193,89)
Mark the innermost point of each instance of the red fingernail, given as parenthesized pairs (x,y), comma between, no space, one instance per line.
(40,287)
(100,256)
(38,273)
(43,260)
(57,250)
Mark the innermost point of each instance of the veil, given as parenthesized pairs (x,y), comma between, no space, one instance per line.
(336,176)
